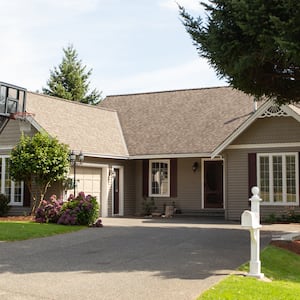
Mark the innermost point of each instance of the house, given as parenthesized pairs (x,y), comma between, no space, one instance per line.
(200,150)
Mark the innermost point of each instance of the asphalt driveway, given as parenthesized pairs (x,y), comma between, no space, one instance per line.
(126,259)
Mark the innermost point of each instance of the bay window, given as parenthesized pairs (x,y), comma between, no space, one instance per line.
(278,178)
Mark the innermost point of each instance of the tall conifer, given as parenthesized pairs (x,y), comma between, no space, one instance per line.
(70,80)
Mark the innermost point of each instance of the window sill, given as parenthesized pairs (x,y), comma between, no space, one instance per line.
(279,204)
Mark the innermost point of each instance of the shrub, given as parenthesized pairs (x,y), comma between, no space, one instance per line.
(4,207)
(82,210)
(49,211)
(148,206)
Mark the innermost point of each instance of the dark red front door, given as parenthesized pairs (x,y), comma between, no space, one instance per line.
(213,184)
(116,185)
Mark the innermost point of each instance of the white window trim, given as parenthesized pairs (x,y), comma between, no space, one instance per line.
(2,186)
(166,161)
(271,188)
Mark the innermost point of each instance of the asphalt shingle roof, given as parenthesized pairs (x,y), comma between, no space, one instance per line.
(93,130)
(179,122)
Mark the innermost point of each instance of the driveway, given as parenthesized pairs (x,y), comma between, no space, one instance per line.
(126,259)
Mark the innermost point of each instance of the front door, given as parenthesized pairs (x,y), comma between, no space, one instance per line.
(116,192)
(213,184)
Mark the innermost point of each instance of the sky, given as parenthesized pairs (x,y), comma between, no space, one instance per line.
(131,46)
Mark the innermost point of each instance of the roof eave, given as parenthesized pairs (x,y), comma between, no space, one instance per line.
(170,155)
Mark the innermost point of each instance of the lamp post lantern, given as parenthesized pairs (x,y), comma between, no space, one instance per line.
(73,160)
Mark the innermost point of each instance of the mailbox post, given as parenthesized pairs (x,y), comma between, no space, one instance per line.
(250,221)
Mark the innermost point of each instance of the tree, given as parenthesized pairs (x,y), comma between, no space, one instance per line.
(39,161)
(70,80)
(254,45)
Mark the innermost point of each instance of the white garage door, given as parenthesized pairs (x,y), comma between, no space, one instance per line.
(88,180)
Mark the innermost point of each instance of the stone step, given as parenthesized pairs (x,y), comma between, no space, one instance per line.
(203,213)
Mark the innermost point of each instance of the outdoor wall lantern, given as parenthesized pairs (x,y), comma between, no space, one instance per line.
(112,173)
(73,160)
(195,166)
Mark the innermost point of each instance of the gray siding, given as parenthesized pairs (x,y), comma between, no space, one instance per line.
(129,188)
(237,182)
(188,188)
(11,134)
(139,186)
(19,211)
(188,185)
(271,130)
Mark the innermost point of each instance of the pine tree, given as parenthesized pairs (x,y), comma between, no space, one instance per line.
(70,80)
(254,45)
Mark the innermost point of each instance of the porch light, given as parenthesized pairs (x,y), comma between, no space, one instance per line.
(73,160)
(112,173)
(195,166)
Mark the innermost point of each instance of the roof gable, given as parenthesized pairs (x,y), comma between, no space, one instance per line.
(95,131)
(268,109)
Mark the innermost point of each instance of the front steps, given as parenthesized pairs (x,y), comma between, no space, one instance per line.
(209,212)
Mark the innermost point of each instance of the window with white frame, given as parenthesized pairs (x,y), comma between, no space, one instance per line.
(159,178)
(278,178)
(13,190)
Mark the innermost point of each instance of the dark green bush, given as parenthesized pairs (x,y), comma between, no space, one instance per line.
(4,207)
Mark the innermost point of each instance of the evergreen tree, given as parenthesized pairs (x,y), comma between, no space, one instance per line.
(253,44)
(70,80)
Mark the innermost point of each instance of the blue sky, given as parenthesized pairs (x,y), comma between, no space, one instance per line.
(132,46)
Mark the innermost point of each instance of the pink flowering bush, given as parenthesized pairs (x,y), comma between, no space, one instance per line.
(49,211)
(82,210)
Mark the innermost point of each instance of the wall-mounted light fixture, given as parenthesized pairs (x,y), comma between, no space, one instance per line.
(112,173)
(195,166)
(73,160)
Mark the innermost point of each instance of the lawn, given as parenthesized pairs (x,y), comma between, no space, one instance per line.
(16,231)
(279,265)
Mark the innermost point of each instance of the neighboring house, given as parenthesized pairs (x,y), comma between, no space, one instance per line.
(200,149)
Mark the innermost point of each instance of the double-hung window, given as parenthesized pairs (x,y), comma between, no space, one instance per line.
(159,179)
(278,178)
(13,190)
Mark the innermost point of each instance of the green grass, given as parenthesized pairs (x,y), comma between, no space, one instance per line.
(16,231)
(279,265)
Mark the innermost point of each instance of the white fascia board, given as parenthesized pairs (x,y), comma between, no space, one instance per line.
(35,124)
(291,112)
(162,156)
(263,146)
(99,155)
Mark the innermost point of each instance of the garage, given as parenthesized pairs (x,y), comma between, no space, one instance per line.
(88,180)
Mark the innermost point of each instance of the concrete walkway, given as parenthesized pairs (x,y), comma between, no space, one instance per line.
(127,259)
